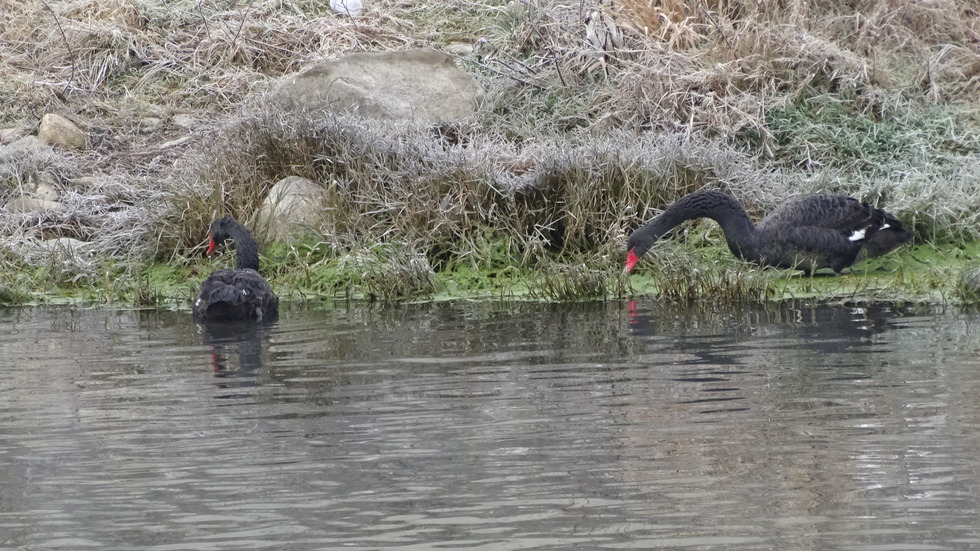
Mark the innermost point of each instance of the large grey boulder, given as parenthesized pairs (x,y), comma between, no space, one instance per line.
(292,207)
(423,86)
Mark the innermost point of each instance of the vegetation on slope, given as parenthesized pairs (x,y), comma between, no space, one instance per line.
(596,117)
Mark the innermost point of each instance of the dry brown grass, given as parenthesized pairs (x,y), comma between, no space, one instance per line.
(718,67)
(183,55)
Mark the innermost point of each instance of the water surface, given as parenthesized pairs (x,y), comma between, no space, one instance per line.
(485,426)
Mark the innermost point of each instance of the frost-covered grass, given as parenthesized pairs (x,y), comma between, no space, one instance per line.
(595,119)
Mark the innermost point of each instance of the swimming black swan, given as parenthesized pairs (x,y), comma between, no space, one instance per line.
(240,294)
(806,233)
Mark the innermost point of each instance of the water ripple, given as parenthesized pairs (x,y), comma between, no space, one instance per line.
(478,426)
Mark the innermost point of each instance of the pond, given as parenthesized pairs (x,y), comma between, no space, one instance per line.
(605,425)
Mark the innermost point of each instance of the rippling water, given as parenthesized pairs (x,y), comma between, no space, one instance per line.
(482,426)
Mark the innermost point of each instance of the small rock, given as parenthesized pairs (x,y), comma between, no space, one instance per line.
(347,7)
(66,244)
(149,125)
(12,134)
(20,149)
(459,47)
(290,208)
(59,131)
(46,192)
(25,204)
(186,122)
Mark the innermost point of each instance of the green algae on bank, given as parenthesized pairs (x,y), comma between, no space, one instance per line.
(921,273)
(682,273)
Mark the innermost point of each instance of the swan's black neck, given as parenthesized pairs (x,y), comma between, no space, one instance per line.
(740,232)
(246,250)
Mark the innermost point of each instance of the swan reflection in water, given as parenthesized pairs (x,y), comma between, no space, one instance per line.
(822,327)
(721,358)
(240,339)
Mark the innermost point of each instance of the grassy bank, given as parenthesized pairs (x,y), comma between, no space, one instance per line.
(595,118)
(688,273)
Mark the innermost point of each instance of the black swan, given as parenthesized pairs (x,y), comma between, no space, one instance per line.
(806,233)
(240,294)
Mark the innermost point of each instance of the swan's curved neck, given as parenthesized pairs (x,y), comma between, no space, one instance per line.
(740,232)
(246,250)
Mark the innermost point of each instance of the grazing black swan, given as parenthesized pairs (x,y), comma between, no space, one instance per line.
(240,294)
(806,233)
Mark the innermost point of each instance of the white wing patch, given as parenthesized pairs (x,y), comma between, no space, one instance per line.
(856,236)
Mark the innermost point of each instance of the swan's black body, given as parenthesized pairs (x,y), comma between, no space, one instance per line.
(807,232)
(240,294)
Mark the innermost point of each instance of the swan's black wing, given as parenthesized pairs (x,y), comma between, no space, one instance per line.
(829,231)
(236,295)
(831,212)
(808,248)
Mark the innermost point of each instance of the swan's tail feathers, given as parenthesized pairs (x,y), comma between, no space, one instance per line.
(888,234)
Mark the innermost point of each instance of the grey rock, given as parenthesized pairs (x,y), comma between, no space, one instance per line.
(46,192)
(59,131)
(149,125)
(12,134)
(186,122)
(291,208)
(66,244)
(423,86)
(26,203)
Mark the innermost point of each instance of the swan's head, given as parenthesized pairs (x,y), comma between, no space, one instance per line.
(638,244)
(218,233)
(631,259)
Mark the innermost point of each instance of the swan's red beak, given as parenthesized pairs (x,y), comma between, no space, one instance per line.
(631,260)
(211,246)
